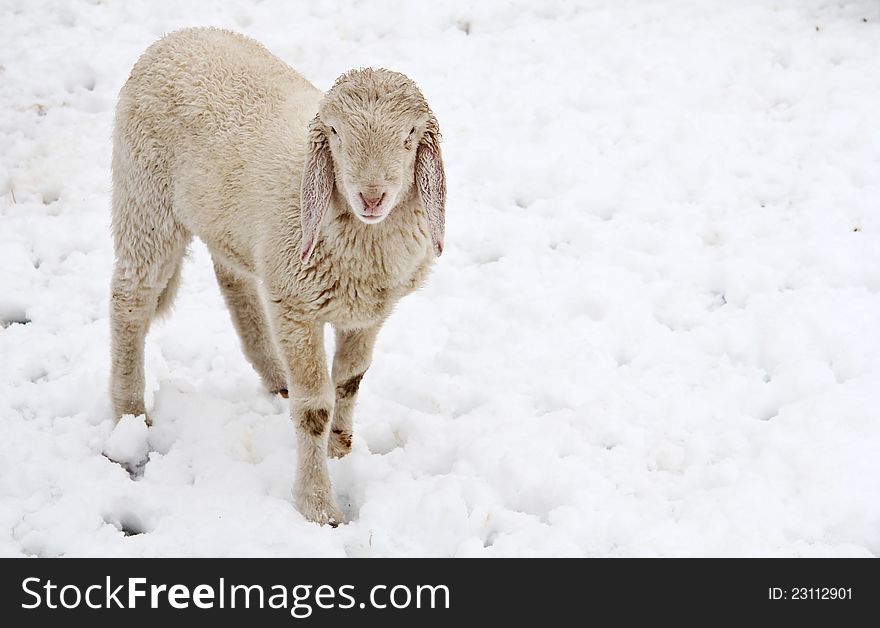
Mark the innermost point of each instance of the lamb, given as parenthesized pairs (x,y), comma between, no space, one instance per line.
(315,208)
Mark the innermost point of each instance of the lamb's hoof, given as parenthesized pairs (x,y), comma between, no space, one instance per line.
(339,443)
(281,391)
(322,511)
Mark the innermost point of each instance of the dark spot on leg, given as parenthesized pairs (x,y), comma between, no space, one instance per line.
(344,437)
(314,420)
(349,387)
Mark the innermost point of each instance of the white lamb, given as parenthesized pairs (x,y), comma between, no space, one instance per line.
(315,208)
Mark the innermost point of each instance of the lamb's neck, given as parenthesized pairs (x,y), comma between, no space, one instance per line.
(400,237)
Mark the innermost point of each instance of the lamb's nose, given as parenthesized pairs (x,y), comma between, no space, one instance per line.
(372,202)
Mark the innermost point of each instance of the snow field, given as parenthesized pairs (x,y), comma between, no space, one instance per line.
(653,331)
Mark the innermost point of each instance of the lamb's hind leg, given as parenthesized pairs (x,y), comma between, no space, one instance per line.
(250,320)
(136,290)
(149,246)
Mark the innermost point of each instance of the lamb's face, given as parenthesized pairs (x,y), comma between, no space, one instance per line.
(373,161)
(374,121)
(374,141)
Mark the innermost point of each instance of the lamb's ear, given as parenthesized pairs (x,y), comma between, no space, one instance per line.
(317,187)
(431,182)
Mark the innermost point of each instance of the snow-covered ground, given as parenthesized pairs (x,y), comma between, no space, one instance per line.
(655,329)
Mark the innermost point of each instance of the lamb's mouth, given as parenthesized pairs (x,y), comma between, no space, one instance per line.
(371,219)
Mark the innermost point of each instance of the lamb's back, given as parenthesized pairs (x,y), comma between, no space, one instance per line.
(224,121)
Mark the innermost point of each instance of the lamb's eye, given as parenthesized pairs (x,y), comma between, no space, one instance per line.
(407,143)
(333,131)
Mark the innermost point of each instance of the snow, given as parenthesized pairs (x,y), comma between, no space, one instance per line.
(129,443)
(653,332)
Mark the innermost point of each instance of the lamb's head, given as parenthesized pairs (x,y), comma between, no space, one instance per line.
(374,139)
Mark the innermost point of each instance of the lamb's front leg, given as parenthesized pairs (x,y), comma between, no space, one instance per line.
(354,352)
(311,406)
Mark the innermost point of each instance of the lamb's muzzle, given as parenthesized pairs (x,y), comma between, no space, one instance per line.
(371,203)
